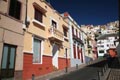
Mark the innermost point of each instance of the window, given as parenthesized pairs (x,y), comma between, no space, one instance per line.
(38,15)
(65,32)
(79,35)
(8,61)
(76,33)
(15,9)
(72,30)
(65,50)
(54,24)
(85,41)
(115,37)
(108,40)
(101,51)
(78,50)
(88,51)
(37,51)
(101,45)
(74,51)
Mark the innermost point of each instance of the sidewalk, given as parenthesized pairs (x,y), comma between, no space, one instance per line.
(59,73)
(63,72)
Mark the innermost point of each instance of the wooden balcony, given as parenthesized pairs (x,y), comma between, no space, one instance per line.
(55,34)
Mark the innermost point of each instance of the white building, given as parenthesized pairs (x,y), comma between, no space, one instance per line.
(105,44)
(107,38)
(76,42)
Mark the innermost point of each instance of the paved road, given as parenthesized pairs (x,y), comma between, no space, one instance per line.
(87,73)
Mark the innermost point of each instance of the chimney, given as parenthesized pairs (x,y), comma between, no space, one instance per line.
(66,14)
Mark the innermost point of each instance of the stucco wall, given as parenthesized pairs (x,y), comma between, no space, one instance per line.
(11,31)
(43,31)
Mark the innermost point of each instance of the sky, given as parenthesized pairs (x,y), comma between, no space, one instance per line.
(87,12)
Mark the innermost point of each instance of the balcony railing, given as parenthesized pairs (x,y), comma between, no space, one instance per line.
(55,34)
(77,39)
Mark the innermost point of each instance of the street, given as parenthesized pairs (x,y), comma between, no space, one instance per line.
(91,72)
(87,73)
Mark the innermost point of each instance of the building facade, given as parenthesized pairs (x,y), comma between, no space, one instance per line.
(89,43)
(12,19)
(46,40)
(75,40)
(35,40)
(107,40)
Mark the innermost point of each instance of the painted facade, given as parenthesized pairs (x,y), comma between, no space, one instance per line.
(11,38)
(106,44)
(46,40)
(50,41)
(76,43)
(107,40)
(89,43)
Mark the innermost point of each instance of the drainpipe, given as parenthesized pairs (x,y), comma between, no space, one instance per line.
(26,21)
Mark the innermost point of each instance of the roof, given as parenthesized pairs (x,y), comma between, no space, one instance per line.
(104,36)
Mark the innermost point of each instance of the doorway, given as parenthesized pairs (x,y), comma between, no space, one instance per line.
(8,61)
(55,51)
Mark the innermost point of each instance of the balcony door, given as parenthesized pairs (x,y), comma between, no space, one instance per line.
(55,51)
(8,62)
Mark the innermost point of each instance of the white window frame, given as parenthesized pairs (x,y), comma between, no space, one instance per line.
(55,21)
(39,23)
(74,31)
(41,48)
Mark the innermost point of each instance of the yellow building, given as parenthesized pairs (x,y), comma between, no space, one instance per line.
(46,40)
(12,18)
(88,39)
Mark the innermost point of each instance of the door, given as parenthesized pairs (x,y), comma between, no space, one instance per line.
(55,52)
(8,61)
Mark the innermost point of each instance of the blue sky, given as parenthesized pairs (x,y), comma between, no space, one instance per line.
(96,12)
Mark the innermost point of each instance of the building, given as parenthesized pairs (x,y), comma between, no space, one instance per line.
(105,43)
(75,40)
(107,40)
(89,43)
(87,57)
(46,40)
(12,19)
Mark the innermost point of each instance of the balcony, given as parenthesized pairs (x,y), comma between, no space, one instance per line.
(89,46)
(77,39)
(55,34)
